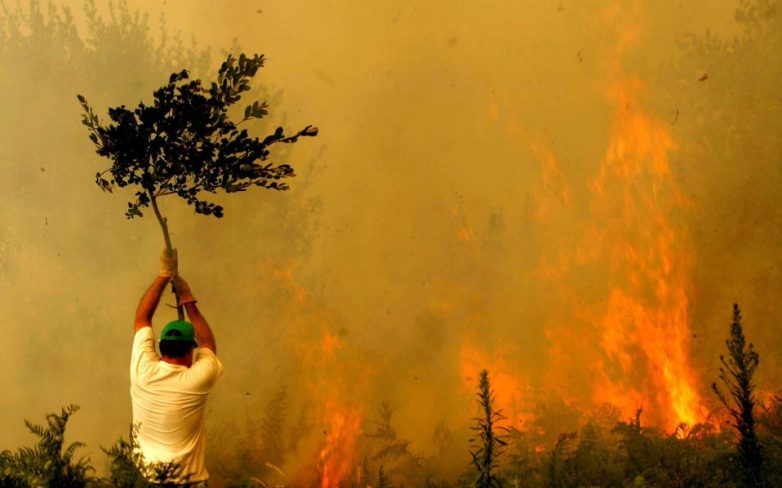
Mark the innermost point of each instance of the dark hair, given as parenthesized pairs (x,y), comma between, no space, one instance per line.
(175,349)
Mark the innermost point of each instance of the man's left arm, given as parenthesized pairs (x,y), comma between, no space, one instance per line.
(149,302)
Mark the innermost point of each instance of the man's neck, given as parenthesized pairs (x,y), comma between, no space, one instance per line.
(178,361)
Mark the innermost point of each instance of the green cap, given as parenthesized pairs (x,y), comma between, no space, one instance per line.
(178,330)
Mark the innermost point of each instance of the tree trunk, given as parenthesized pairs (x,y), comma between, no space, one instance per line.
(164,226)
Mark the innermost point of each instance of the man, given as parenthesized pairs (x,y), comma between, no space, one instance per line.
(169,391)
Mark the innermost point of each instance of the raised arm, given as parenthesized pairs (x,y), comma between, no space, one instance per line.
(149,302)
(203,332)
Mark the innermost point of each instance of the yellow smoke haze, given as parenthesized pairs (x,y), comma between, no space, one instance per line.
(548,190)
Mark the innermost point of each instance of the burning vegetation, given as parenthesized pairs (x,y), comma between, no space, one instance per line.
(740,447)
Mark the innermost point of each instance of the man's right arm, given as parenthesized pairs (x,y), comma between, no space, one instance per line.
(203,332)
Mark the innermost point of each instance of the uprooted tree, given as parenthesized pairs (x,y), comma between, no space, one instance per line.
(185,143)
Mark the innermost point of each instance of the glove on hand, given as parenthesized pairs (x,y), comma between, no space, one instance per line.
(183,291)
(168,263)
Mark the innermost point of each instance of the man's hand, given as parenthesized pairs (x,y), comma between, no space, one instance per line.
(204,336)
(168,263)
(183,291)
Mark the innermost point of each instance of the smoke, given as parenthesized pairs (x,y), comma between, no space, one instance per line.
(439,224)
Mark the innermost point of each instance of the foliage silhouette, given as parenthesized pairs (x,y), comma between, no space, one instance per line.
(185,143)
(522,460)
(273,427)
(391,447)
(488,445)
(557,473)
(770,428)
(262,447)
(130,470)
(629,455)
(636,445)
(737,374)
(49,463)
(383,481)
(397,460)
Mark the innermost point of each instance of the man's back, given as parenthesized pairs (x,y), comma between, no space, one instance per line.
(168,405)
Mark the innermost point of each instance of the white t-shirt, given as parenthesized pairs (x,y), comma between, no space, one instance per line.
(168,405)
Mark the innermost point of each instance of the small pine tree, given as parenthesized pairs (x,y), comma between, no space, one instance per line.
(488,445)
(737,373)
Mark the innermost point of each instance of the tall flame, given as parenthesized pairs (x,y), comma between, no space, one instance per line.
(337,457)
(645,323)
(326,361)
(628,330)
(621,335)
(338,415)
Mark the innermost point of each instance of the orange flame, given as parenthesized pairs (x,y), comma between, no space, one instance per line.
(341,422)
(644,326)
(325,359)
(632,244)
(337,456)
(512,391)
